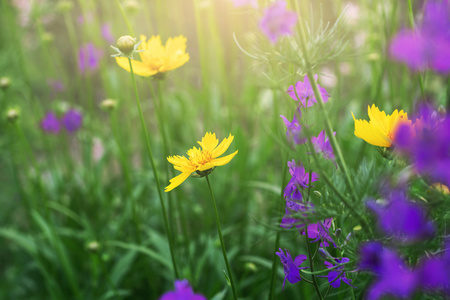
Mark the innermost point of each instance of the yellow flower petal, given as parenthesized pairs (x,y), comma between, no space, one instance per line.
(380,131)
(139,68)
(200,159)
(223,146)
(158,58)
(176,181)
(371,134)
(209,141)
(223,160)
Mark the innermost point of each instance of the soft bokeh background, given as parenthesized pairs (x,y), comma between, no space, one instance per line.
(67,226)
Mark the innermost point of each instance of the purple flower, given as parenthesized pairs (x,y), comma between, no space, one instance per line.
(291,267)
(50,123)
(320,232)
(429,45)
(294,129)
(294,207)
(238,3)
(107,34)
(88,58)
(434,271)
(402,219)
(322,145)
(183,291)
(304,92)
(393,277)
(337,274)
(299,180)
(277,21)
(428,143)
(72,120)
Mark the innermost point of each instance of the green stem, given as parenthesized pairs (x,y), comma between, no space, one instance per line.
(311,264)
(222,243)
(277,239)
(152,161)
(308,246)
(328,128)
(411,21)
(328,291)
(124,15)
(342,197)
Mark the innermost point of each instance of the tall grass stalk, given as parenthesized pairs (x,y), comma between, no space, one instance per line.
(222,242)
(277,238)
(328,128)
(155,173)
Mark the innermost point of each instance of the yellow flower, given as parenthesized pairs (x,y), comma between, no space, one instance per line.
(157,58)
(380,131)
(200,160)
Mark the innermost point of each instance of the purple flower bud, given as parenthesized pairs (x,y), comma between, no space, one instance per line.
(277,21)
(182,291)
(304,92)
(50,123)
(402,219)
(72,120)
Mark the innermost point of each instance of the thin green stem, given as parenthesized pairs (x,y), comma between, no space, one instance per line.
(155,174)
(277,239)
(411,22)
(328,291)
(311,265)
(342,197)
(410,13)
(124,15)
(308,246)
(328,128)
(222,243)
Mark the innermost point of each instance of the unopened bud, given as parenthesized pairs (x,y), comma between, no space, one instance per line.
(93,246)
(126,44)
(318,194)
(440,188)
(132,6)
(108,104)
(5,82)
(251,267)
(12,114)
(65,6)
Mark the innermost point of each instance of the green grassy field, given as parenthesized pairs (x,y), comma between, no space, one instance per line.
(84,212)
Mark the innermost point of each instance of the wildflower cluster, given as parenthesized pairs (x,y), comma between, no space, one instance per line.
(297,192)
(71,121)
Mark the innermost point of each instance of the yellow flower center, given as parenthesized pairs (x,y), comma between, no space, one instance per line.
(199,158)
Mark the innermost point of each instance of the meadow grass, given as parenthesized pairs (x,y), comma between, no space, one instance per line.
(83,213)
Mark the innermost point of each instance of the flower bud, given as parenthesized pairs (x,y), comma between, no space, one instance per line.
(93,246)
(131,6)
(440,188)
(65,6)
(12,114)
(251,267)
(108,104)
(5,82)
(318,194)
(126,44)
